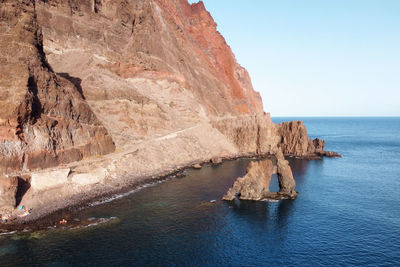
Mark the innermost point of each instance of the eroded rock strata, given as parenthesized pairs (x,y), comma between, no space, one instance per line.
(99,95)
(44,120)
(255,184)
(294,141)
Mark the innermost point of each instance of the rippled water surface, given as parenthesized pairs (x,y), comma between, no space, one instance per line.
(347,213)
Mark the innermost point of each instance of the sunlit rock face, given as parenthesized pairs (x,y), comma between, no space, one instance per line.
(294,141)
(107,94)
(44,120)
(255,184)
(146,67)
(82,78)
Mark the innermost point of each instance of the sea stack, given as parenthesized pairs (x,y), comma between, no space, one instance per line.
(255,184)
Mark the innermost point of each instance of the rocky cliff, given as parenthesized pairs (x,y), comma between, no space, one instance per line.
(44,120)
(146,67)
(115,92)
(294,141)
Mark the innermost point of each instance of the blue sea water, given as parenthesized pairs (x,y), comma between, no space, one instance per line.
(347,213)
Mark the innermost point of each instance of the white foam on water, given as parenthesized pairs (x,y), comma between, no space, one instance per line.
(8,233)
(269,200)
(97,222)
(119,196)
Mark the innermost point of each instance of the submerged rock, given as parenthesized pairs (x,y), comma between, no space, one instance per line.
(332,154)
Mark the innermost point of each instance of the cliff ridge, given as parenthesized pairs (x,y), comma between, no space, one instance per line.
(97,96)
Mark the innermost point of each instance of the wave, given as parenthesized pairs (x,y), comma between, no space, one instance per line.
(269,200)
(97,221)
(119,196)
(8,233)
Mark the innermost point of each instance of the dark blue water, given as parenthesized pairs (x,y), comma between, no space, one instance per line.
(347,214)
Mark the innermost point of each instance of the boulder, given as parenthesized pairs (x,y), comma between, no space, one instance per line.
(216,160)
(316,146)
(197,166)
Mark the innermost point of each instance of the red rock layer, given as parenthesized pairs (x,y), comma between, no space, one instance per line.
(166,37)
(209,44)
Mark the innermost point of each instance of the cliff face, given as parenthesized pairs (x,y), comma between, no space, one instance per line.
(148,67)
(74,71)
(253,135)
(294,141)
(150,82)
(44,120)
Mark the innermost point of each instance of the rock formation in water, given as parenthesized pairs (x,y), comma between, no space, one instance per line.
(152,83)
(295,142)
(255,184)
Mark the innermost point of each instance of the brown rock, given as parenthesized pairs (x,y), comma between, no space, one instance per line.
(255,184)
(8,191)
(287,183)
(331,154)
(216,160)
(316,146)
(46,122)
(253,135)
(294,138)
(153,76)
(197,166)
(294,141)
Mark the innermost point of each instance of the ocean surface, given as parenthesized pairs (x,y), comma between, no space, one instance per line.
(347,213)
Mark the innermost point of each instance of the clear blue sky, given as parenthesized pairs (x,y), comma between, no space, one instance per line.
(317,57)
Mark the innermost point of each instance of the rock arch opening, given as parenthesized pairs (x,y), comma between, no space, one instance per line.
(270,178)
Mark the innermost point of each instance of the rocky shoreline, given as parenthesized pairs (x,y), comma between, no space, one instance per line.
(44,218)
(50,218)
(100,96)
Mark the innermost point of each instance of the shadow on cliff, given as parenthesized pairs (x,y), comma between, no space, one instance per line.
(23,187)
(75,81)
